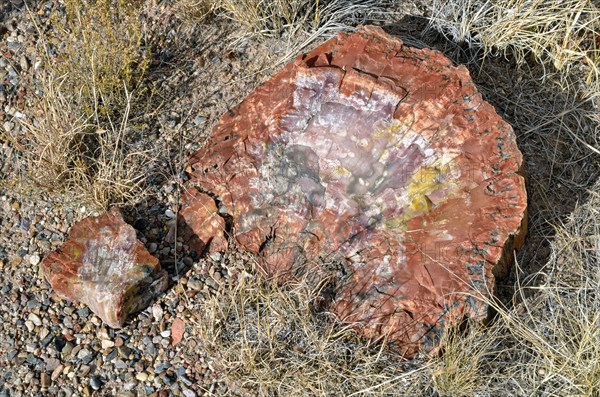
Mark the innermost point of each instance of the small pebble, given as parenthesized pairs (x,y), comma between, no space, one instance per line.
(107,344)
(195,285)
(157,312)
(95,383)
(57,371)
(34,318)
(34,259)
(45,381)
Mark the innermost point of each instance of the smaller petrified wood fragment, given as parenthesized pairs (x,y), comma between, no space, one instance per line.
(379,157)
(103,265)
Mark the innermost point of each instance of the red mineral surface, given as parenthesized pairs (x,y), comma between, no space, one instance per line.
(378,157)
(103,265)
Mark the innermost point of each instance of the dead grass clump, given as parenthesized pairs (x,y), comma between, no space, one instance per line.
(561,35)
(81,135)
(272,16)
(459,370)
(195,10)
(98,51)
(558,326)
(265,17)
(317,18)
(267,340)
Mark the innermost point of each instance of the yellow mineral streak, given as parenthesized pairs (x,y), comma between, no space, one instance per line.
(423,183)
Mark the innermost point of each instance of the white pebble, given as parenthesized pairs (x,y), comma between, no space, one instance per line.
(107,344)
(157,312)
(34,259)
(29,325)
(34,318)
(166,333)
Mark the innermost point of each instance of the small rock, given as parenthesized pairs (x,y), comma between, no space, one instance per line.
(189,393)
(81,353)
(107,344)
(124,351)
(84,370)
(199,120)
(157,312)
(196,285)
(98,248)
(57,371)
(165,333)
(45,381)
(211,283)
(177,331)
(67,349)
(34,260)
(52,364)
(24,63)
(30,326)
(95,382)
(103,334)
(120,364)
(142,376)
(130,385)
(34,318)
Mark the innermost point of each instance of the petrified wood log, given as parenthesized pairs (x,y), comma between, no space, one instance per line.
(377,156)
(105,266)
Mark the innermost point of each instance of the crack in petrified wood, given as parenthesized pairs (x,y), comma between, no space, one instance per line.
(378,154)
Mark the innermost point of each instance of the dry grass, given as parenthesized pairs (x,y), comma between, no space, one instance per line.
(272,17)
(458,370)
(196,11)
(300,23)
(265,17)
(312,18)
(561,35)
(81,139)
(557,327)
(267,340)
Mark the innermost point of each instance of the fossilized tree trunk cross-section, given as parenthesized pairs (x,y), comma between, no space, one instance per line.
(378,156)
